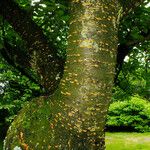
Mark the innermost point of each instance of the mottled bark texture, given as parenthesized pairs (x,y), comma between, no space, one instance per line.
(73,118)
(40,60)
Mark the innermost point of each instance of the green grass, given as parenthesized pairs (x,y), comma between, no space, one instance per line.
(127,141)
(124,141)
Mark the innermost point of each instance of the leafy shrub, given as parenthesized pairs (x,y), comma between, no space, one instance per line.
(130,114)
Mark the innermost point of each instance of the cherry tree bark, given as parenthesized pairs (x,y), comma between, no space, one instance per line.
(73,117)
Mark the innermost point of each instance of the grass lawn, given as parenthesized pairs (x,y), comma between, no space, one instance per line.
(124,141)
(127,141)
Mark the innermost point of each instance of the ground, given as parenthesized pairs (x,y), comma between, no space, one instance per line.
(124,141)
(127,141)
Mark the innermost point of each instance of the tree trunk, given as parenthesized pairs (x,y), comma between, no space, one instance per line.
(73,118)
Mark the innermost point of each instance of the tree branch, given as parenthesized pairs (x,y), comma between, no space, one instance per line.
(7,53)
(125,49)
(43,55)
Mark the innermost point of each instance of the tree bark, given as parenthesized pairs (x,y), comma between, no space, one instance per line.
(73,118)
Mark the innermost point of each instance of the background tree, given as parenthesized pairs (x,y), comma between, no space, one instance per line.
(84,44)
(134,43)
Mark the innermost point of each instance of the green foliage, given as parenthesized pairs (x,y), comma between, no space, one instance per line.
(1,144)
(15,90)
(53,18)
(133,113)
(135,26)
(134,76)
(134,34)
